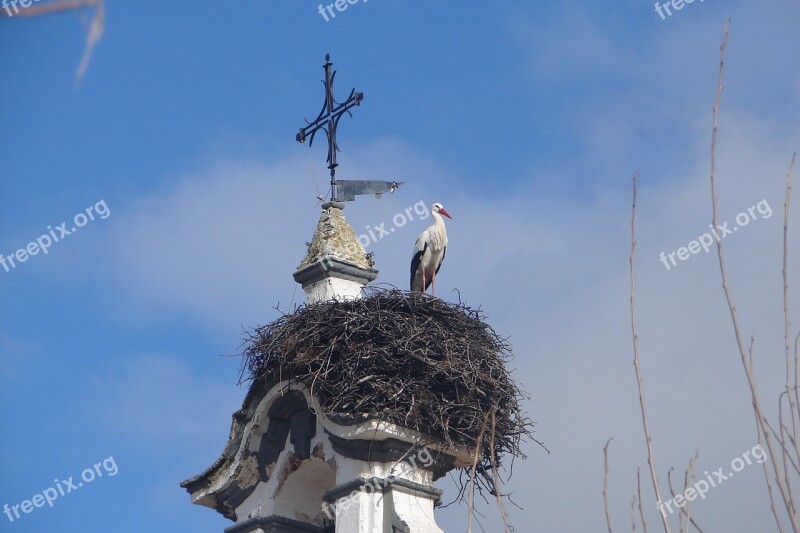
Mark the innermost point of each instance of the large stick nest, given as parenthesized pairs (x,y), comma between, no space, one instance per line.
(401,357)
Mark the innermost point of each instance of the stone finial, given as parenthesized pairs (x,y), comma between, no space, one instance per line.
(336,266)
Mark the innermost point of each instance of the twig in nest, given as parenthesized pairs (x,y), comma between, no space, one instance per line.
(471,485)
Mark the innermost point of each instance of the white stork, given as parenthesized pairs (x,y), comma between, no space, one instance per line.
(429,252)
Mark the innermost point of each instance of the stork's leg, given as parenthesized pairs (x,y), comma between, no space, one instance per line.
(433,283)
(423,281)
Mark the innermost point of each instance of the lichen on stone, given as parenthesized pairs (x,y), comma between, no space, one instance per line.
(334,237)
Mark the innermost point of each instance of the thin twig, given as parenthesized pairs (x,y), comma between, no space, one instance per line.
(682,511)
(496,479)
(691,470)
(471,485)
(786,457)
(639,492)
(797,398)
(674,499)
(793,404)
(605,486)
(639,381)
(764,464)
(778,438)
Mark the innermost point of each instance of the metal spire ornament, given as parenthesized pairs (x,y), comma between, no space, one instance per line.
(328,121)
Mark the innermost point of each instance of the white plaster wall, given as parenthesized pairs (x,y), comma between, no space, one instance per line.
(300,497)
(364,513)
(332,288)
(417,512)
(349,469)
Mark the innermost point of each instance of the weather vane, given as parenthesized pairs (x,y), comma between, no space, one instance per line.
(328,121)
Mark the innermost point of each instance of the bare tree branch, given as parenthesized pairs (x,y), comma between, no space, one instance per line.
(605,486)
(760,421)
(639,381)
(793,403)
(639,492)
(764,464)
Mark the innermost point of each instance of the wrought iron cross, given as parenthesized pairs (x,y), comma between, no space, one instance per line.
(328,121)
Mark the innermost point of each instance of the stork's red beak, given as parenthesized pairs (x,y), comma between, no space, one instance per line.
(445,213)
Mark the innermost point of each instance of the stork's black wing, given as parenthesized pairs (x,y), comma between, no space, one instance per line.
(415,265)
(444,253)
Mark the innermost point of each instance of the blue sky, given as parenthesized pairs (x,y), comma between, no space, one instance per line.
(526,120)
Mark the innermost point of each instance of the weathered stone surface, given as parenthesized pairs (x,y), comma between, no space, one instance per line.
(334,237)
